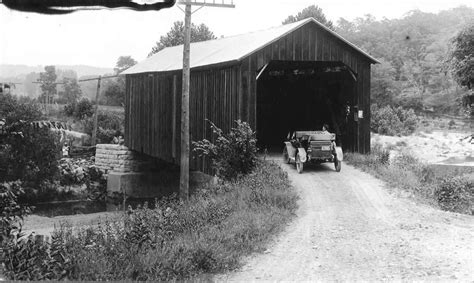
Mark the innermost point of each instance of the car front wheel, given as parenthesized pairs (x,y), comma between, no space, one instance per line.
(337,165)
(286,157)
(299,164)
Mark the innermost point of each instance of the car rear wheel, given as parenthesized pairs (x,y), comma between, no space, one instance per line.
(337,165)
(299,164)
(286,157)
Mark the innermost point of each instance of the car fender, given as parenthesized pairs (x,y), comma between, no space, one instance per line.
(339,153)
(291,150)
(302,154)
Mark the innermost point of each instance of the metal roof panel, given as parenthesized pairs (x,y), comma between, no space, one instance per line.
(221,50)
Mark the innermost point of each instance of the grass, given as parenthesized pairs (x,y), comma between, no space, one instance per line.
(406,173)
(175,241)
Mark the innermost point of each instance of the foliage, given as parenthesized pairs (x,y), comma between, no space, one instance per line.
(312,11)
(110,124)
(123,63)
(72,91)
(392,121)
(462,56)
(176,36)
(12,110)
(32,156)
(405,172)
(412,51)
(84,108)
(83,172)
(232,154)
(48,83)
(456,194)
(175,240)
(115,92)
(11,211)
(79,110)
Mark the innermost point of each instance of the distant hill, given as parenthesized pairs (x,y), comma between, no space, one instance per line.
(9,70)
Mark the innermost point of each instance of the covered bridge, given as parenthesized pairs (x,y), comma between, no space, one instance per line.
(293,77)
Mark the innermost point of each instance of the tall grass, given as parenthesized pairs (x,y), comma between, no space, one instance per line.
(208,234)
(406,173)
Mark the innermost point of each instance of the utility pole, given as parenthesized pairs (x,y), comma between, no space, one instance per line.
(184,160)
(96,112)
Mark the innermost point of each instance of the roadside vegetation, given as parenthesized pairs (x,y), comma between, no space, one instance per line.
(404,172)
(174,240)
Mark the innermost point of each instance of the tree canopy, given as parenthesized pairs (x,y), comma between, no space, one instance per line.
(412,51)
(176,36)
(312,11)
(48,83)
(123,63)
(462,57)
(72,91)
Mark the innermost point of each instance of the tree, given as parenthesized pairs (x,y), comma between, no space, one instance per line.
(115,92)
(308,12)
(72,91)
(48,83)
(176,36)
(462,57)
(123,63)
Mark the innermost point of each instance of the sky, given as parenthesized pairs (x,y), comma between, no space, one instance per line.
(99,37)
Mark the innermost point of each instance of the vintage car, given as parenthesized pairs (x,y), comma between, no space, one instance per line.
(312,146)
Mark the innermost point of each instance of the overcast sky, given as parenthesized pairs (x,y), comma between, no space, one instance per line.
(98,38)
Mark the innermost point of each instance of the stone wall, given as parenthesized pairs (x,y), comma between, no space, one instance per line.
(118,158)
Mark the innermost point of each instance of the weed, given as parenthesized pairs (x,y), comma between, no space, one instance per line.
(453,193)
(175,240)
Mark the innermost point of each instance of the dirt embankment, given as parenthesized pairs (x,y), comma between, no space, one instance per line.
(349,228)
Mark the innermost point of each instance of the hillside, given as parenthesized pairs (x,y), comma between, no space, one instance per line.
(413,52)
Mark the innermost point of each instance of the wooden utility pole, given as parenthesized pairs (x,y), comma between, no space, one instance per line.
(184,164)
(96,112)
(184,160)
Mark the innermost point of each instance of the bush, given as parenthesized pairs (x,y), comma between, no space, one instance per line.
(83,172)
(79,110)
(453,193)
(13,111)
(33,156)
(109,125)
(232,154)
(11,211)
(456,194)
(175,240)
(392,121)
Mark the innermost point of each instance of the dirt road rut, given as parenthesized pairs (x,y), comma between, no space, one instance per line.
(348,227)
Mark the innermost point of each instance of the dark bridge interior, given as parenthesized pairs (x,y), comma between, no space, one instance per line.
(302,95)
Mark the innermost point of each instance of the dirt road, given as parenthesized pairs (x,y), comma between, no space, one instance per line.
(348,227)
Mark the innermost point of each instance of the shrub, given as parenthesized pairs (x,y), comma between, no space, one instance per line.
(232,154)
(109,125)
(12,110)
(83,172)
(456,194)
(392,121)
(173,241)
(84,108)
(11,211)
(33,156)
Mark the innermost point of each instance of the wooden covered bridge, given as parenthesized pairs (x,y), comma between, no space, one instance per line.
(293,77)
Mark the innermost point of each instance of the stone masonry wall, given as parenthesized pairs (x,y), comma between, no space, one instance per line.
(118,158)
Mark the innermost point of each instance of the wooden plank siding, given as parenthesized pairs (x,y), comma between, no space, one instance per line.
(225,93)
(311,39)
